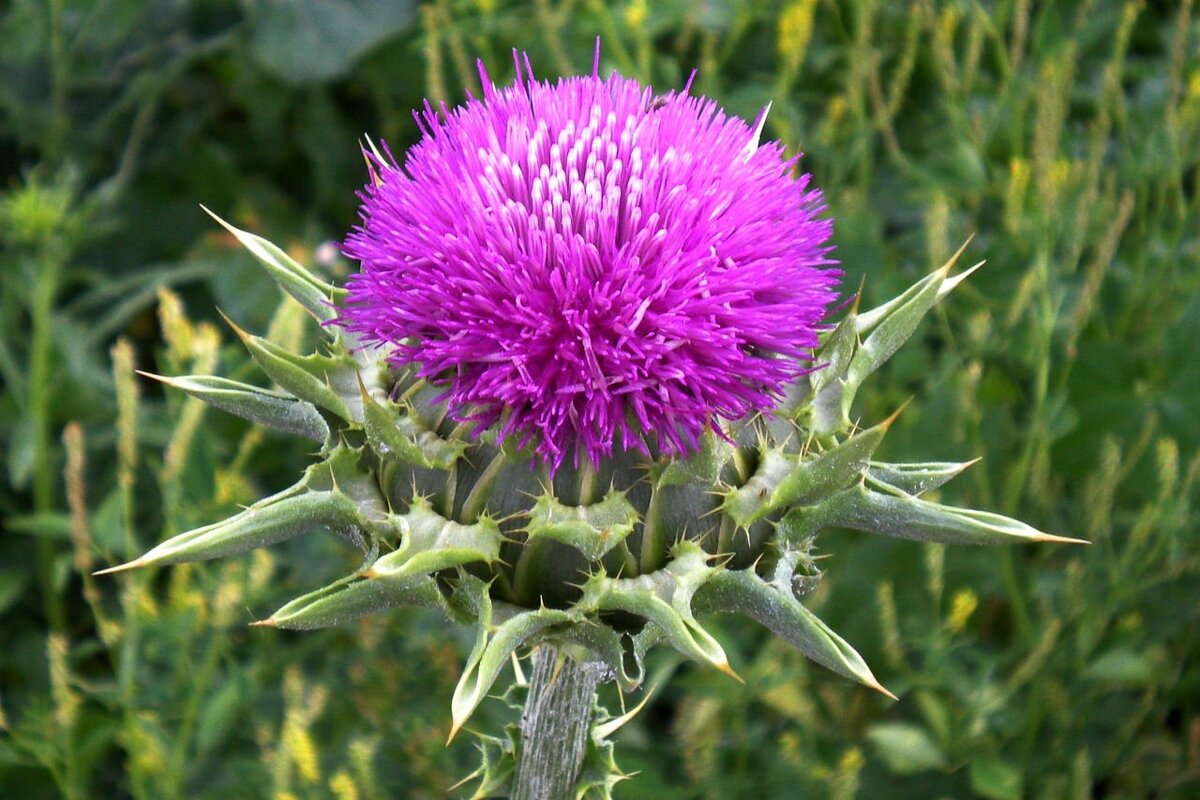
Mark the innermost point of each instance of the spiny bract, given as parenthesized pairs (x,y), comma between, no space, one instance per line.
(649,304)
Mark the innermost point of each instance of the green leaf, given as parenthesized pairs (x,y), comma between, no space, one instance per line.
(916,479)
(885,329)
(268,522)
(431,543)
(906,749)
(308,290)
(743,592)
(312,377)
(397,432)
(996,779)
(493,646)
(332,495)
(936,715)
(829,411)
(895,323)
(921,295)
(303,41)
(12,583)
(19,458)
(784,480)
(835,353)
(276,410)
(664,599)
(48,524)
(592,529)
(607,645)
(1128,667)
(219,713)
(678,628)
(354,597)
(906,517)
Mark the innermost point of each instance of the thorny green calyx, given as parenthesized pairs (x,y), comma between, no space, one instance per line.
(612,560)
(466,366)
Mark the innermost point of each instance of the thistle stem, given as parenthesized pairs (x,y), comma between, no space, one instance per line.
(554,725)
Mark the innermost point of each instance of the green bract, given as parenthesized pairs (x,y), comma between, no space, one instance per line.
(610,560)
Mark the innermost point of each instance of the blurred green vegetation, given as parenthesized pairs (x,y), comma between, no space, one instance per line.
(1064,136)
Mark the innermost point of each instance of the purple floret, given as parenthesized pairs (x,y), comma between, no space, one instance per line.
(593,267)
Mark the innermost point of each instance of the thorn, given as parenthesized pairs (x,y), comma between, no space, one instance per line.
(949,265)
(728,670)
(502,520)
(1052,538)
(580,586)
(455,726)
(877,686)
(152,376)
(949,283)
(519,674)
(612,726)
(375,179)
(746,531)
(269,622)
(887,423)
(245,337)
(857,296)
(220,221)
(135,564)
(465,780)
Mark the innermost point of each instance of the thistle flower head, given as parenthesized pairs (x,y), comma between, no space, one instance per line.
(592,267)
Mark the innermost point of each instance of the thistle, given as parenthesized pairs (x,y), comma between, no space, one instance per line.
(579,395)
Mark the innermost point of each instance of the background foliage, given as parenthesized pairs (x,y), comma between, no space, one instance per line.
(1063,135)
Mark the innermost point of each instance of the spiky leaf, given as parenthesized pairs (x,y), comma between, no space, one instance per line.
(744,592)
(783,480)
(277,410)
(314,294)
(493,646)
(333,494)
(898,514)
(396,432)
(591,529)
(328,382)
(917,479)
(354,597)
(430,542)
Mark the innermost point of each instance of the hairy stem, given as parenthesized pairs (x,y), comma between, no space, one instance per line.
(554,725)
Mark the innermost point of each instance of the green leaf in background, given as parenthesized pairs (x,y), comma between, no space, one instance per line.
(1129,667)
(12,583)
(906,749)
(304,41)
(995,779)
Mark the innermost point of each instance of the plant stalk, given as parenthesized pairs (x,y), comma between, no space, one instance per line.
(45,490)
(555,725)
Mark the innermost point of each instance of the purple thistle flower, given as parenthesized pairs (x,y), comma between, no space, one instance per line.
(593,267)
